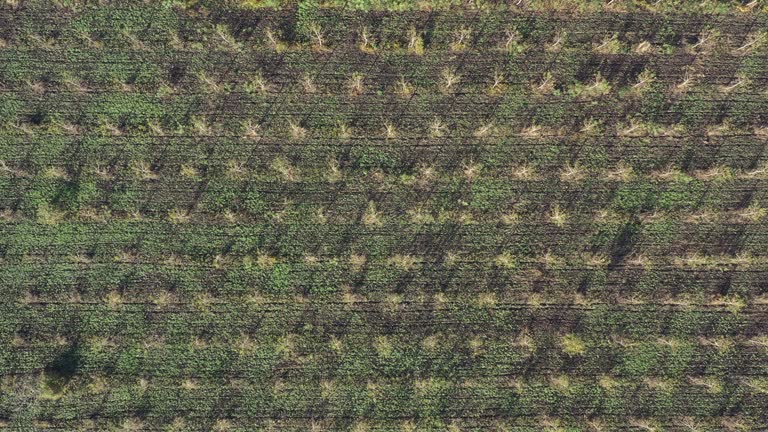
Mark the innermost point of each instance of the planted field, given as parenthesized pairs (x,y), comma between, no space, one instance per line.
(457,218)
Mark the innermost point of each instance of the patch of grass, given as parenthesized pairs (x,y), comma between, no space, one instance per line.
(573,345)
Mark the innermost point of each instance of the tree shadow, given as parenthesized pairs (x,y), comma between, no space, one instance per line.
(624,242)
(60,371)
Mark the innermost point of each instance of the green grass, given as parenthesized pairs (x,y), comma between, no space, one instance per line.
(406,216)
